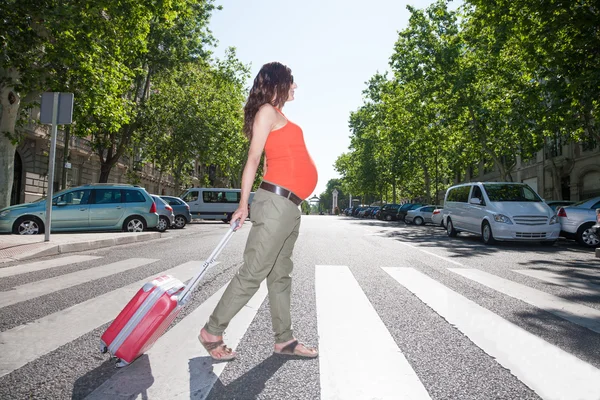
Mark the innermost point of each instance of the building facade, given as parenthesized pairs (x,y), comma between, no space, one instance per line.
(562,171)
(30,181)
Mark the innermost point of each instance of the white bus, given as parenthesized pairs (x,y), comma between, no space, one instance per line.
(213,203)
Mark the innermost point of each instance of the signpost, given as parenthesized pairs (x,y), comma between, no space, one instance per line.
(56,109)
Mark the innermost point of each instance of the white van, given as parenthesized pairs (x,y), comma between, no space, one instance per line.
(499,211)
(213,203)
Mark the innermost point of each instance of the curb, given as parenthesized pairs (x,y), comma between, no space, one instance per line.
(83,246)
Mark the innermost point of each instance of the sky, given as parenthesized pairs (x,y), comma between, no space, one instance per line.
(333,48)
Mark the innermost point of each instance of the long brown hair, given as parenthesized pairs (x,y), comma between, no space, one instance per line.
(271,85)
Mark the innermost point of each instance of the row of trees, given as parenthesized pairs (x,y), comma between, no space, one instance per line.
(474,88)
(144,78)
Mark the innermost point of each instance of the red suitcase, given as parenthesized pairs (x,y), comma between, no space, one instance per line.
(148,315)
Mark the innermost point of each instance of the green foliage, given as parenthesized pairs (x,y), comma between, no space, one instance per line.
(470,88)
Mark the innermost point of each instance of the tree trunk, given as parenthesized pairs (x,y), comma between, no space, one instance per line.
(556,184)
(10,101)
(427,184)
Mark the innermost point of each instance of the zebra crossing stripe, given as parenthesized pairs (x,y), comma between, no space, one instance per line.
(177,366)
(340,304)
(548,370)
(581,282)
(577,313)
(42,265)
(25,343)
(47,286)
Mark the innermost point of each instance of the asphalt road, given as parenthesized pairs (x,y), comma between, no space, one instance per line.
(396,310)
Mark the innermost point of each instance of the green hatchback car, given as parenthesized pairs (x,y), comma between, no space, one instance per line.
(95,207)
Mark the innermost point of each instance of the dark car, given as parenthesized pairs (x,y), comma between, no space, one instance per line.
(371,211)
(181,210)
(388,212)
(405,208)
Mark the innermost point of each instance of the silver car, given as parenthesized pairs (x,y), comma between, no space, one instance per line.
(421,215)
(577,222)
(166,218)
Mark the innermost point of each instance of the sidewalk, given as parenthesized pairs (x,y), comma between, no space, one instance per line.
(16,247)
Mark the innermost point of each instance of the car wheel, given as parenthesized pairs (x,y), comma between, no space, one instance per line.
(163,224)
(419,221)
(406,221)
(450,228)
(486,233)
(586,236)
(180,221)
(134,224)
(28,226)
(388,217)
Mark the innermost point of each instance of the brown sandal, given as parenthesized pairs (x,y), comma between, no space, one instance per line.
(210,346)
(290,350)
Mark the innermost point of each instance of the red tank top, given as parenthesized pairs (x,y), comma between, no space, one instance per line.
(288,163)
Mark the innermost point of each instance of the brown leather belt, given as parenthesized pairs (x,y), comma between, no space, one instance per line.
(281,191)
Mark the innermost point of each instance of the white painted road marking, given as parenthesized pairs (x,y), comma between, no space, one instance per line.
(548,370)
(42,265)
(345,317)
(46,286)
(572,282)
(431,254)
(25,343)
(180,367)
(577,313)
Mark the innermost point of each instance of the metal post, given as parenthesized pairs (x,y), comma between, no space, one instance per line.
(51,160)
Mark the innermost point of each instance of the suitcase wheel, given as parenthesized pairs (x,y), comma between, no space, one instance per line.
(120,363)
(103,348)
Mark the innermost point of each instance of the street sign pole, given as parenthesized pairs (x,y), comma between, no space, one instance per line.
(52,157)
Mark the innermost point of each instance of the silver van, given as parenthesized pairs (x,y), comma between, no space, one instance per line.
(213,203)
(499,211)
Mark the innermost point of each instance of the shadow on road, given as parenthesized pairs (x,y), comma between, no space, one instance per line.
(251,384)
(137,384)
(466,244)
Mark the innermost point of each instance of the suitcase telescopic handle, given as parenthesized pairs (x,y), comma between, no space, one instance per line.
(191,286)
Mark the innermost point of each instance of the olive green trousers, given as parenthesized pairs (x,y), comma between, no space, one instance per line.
(268,254)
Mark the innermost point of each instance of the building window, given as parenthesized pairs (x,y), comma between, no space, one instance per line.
(554,146)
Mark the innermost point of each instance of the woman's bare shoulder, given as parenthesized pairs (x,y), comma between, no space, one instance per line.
(266,110)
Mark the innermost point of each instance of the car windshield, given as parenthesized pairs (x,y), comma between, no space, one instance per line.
(54,196)
(510,192)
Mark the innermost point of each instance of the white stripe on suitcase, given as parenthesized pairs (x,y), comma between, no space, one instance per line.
(548,370)
(576,313)
(177,366)
(46,286)
(348,371)
(581,282)
(25,343)
(42,265)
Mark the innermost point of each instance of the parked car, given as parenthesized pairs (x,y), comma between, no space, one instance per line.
(556,204)
(577,222)
(437,217)
(181,210)
(94,207)
(388,212)
(500,211)
(420,215)
(402,211)
(165,214)
(371,211)
(214,203)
